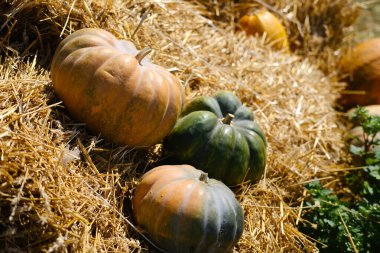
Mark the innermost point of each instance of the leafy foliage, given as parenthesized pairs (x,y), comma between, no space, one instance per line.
(350,226)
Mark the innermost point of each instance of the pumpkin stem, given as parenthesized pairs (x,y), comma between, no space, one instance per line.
(203,177)
(141,55)
(227,120)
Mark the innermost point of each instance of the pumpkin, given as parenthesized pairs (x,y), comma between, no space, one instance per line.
(218,135)
(182,210)
(264,22)
(114,89)
(362,65)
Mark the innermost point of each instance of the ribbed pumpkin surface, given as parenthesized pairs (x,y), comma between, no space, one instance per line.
(103,85)
(233,151)
(183,213)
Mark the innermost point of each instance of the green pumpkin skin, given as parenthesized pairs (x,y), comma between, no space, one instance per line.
(232,152)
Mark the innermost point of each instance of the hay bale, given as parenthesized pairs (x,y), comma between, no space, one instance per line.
(318,30)
(63,189)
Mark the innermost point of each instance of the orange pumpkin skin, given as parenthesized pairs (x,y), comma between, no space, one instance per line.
(102,84)
(183,212)
(363,67)
(265,22)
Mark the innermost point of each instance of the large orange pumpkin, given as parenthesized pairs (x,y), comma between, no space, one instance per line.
(362,65)
(115,89)
(264,22)
(182,210)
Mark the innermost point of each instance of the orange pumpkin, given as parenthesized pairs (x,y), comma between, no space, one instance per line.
(182,210)
(115,89)
(362,65)
(264,22)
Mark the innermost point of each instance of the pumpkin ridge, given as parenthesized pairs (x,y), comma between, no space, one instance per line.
(71,42)
(228,201)
(219,112)
(257,130)
(232,147)
(160,212)
(207,103)
(125,113)
(254,153)
(164,114)
(59,64)
(152,197)
(65,79)
(93,32)
(218,218)
(227,102)
(79,36)
(206,145)
(90,89)
(148,117)
(243,171)
(199,146)
(204,228)
(74,65)
(177,218)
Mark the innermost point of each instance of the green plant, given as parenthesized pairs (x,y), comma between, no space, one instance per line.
(341,226)
(350,226)
(366,182)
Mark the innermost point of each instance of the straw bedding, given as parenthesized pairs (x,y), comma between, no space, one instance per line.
(63,189)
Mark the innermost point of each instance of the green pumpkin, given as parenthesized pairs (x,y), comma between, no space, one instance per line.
(182,210)
(219,136)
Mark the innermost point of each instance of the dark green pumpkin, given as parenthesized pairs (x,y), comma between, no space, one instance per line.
(219,136)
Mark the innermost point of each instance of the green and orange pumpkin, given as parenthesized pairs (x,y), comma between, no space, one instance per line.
(182,210)
(220,136)
(114,88)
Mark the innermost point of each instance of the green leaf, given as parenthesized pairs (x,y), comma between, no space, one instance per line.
(356,150)
(376,151)
(374,172)
(367,189)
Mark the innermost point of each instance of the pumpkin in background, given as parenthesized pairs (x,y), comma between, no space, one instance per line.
(362,65)
(263,21)
(219,136)
(115,89)
(182,210)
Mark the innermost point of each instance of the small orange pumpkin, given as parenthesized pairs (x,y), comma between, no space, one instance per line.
(362,65)
(262,22)
(114,89)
